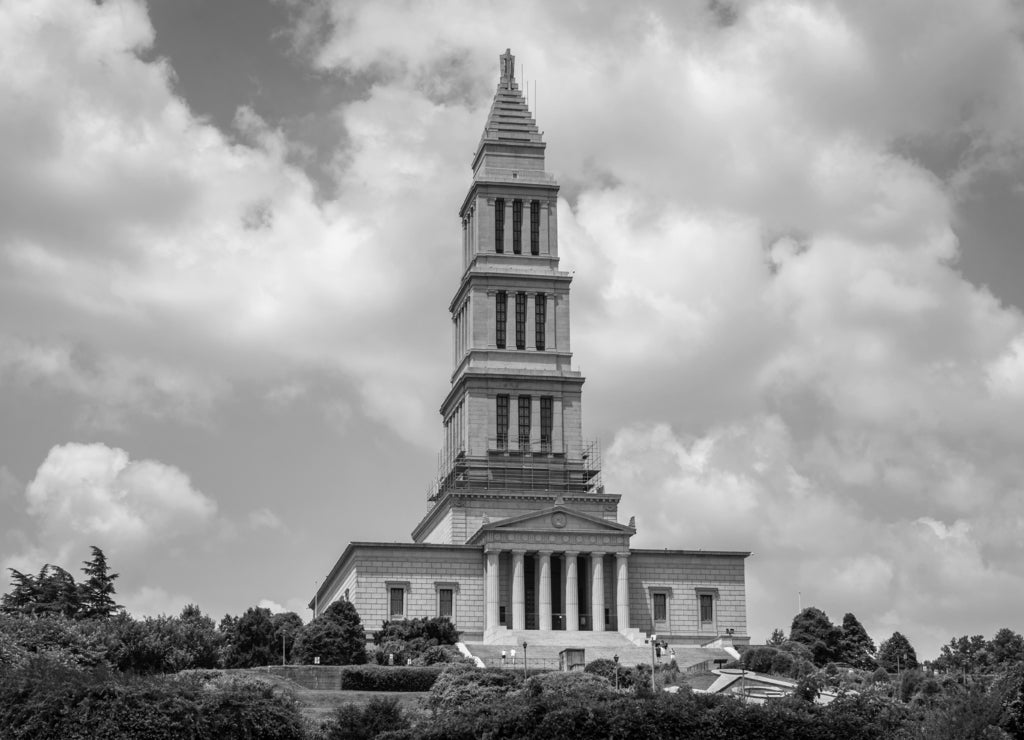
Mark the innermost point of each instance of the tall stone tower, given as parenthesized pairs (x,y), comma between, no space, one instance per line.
(513,438)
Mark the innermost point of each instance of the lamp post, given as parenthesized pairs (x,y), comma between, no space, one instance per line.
(653,641)
(524,659)
(616,659)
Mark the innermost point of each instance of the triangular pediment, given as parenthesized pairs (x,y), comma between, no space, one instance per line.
(554,520)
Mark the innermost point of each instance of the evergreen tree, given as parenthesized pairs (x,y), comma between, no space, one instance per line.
(97,591)
(813,628)
(855,645)
(778,637)
(56,593)
(897,652)
(22,597)
(336,637)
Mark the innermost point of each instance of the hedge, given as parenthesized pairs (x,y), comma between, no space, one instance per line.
(389,678)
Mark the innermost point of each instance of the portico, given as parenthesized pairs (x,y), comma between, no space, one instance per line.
(545,571)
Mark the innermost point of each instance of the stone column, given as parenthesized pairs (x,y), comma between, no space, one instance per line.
(622,589)
(572,599)
(491,590)
(597,590)
(544,600)
(518,590)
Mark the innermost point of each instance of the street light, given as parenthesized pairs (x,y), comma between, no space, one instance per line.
(653,641)
(524,659)
(616,659)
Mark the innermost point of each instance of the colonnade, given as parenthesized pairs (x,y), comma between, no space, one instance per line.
(569,589)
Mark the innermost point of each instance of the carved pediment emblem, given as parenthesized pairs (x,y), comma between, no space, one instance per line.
(558,519)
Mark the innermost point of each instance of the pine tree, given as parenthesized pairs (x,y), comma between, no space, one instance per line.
(855,645)
(97,591)
(897,653)
(22,597)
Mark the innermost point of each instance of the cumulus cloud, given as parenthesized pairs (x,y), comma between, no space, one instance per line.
(91,492)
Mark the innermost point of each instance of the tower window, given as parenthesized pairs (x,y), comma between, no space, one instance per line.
(517,226)
(540,316)
(534,227)
(524,422)
(499,225)
(520,320)
(500,318)
(546,418)
(502,426)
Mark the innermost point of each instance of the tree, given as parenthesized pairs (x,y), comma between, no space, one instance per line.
(897,652)
(56,593)
(97,591)
(778,637)
(1006,648)
(336,637)
(855,645)
(813,628)
(22,597)
(250,639)
(963,655)
(287,626)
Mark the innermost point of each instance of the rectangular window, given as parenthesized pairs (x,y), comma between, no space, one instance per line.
(706,608)
(524,422)
(660,607)
(517,226)
(502,428)
(397,602)
(546,417)
(534,227)
(540,317)
(444,603)
(520,320)
(499,225)
(500,318)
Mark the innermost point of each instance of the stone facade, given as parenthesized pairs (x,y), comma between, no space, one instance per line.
(521,534)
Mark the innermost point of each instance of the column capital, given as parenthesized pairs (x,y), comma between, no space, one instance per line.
(519,551)
(622,555)
(546,553)
(597,553)
(571,553)
(492,550)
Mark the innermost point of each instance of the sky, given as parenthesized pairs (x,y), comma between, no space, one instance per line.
(229,234)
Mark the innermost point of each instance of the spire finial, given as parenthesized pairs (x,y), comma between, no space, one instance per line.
(508,67)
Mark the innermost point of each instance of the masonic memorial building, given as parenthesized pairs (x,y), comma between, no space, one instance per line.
(521,540)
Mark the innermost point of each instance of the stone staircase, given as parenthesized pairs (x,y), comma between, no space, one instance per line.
(543,649)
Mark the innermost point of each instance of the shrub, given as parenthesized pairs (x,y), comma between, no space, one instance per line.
(460,685)
(352,722)
(389,678)
(433,631)
(46,699)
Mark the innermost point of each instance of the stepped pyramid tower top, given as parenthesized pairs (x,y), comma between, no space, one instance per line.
(512,419)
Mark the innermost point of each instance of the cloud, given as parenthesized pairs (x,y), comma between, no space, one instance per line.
(90,493)
(265,519)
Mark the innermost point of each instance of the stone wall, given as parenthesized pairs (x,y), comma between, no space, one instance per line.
(682,575)
(421,570)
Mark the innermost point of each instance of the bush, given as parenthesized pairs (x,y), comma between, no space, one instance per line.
(46,699)
(389,678)
(352,722)
(461,685)
(433,631)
